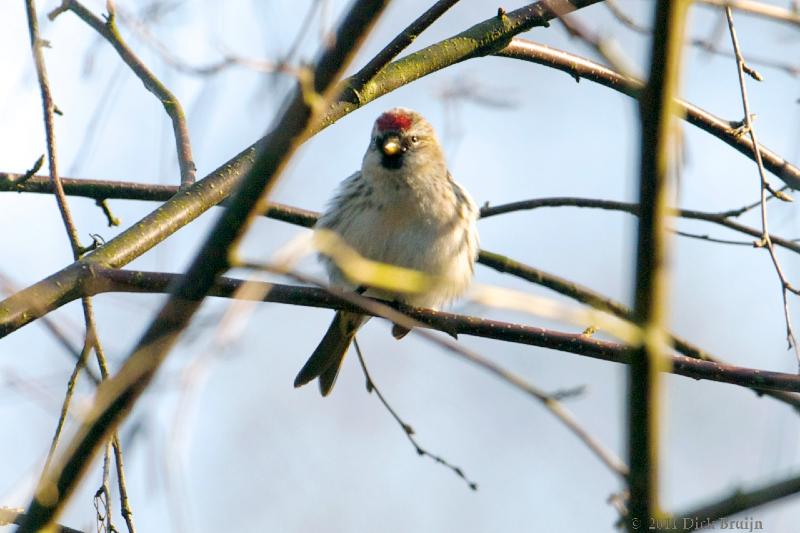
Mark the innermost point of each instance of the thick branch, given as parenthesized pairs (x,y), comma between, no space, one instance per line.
(657,107)
(398,44)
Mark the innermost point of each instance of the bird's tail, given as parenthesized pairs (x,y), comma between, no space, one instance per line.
(326,360)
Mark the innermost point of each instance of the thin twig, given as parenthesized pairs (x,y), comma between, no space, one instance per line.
(48,108)
(398,44)
(125,504)
(721,219)
(102,363)
(407,429)
(709,47)
(172,106)
(739,211)
(765,236)
(761,9)
(708,238)
(62,418)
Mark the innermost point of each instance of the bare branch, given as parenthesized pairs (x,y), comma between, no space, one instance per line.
(407,429)
(18,516)
(578,68)
(657,108)
(48,108)
(111,280)
(737,502)
(115,400)
(172,106)
(398,44)
(761,9)
(763,188)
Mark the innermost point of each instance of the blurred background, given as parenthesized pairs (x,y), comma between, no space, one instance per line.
(223,441)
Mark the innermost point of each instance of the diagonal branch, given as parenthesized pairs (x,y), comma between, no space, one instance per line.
(398,44)
(118,395)
(479,40)
(579,67)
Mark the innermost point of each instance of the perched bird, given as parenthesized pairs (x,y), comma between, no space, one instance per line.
(402,208)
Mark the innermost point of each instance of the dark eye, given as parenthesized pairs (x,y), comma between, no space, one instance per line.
(414,139)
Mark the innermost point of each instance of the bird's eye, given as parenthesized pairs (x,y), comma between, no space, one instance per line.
(414,139)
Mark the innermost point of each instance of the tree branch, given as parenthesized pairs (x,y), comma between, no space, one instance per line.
(118,395)
(172,105)
(579,67)
(656,109)
(112,280)
(737,502)
(48,108)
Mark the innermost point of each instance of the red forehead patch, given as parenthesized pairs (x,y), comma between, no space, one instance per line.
(397,121)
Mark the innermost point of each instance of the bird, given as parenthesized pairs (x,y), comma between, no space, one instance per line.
(402,208)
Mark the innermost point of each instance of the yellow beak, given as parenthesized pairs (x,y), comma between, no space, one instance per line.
(391,146)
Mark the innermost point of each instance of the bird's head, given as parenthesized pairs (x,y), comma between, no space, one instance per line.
(404,142)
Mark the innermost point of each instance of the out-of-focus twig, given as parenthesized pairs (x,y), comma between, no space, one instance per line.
(721,219)
(761,9)
(578,67)
(624,18)
(657,109)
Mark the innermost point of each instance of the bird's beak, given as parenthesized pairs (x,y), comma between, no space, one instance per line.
(391,145)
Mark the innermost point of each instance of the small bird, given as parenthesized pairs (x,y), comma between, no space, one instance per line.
(403,208)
